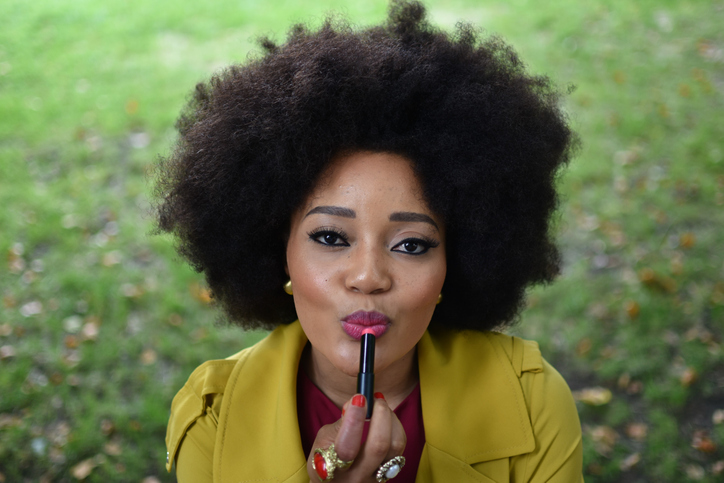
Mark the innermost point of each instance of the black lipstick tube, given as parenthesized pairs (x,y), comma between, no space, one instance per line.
(366,376)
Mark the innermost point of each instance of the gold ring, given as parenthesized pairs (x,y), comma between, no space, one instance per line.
(390,469)
(326,461)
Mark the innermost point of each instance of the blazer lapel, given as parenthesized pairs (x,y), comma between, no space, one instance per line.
(261,399)
(472,403)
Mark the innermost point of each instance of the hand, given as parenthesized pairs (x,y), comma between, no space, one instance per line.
(385,440)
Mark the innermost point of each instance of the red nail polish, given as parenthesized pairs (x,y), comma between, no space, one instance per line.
(379,395)
(343,410)
(359,401)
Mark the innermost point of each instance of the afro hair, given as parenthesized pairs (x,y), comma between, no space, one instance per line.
(486,140)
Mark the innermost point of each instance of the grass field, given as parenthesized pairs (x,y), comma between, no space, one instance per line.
(94,309)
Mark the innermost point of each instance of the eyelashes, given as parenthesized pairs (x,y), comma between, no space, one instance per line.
(334,237)
(328,236)
(415,246)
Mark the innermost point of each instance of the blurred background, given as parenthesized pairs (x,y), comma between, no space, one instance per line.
(102,323)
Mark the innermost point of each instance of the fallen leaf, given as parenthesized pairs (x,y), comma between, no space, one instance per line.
(58,433)
(6,330)
(594,469)
(148,356)
(113,448)
(655,281)
(9,301)
(702,442)
(107,427)
(71,341)
(56,455)
(175,319)
(593,396)
(10,421)
(598,310)
(82,470)
(718,416)
(150,479)
(717,468)
(624,380)
(72,358)
(90,330)
(111,258)
(7,352)
(688,377)
(584,346)
(684,90)
(131,291)
(630,461)
(200,293)
(695,472)
(604,438)
(31,308)
(632,309)
(637,431)
(687,240)
(72,324)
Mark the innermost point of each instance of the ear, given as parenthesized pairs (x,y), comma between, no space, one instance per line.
(286,268)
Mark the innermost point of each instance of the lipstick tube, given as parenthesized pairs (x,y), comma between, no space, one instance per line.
(366,375)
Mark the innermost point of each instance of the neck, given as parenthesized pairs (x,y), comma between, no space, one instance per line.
(396,382)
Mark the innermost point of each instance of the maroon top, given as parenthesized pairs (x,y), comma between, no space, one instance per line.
(315,409)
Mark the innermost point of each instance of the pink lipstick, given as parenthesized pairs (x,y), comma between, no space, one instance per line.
(355,324)
(366,375)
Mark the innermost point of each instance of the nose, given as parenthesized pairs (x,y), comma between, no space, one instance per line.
(368,271)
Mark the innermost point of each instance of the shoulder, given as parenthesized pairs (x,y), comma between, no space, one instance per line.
(553,415)
(203,390)
(520,355)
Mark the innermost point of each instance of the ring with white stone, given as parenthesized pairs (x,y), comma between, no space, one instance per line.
(390,469)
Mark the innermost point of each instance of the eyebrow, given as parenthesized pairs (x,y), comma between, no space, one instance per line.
(332,210)
(405,216)
(413,217)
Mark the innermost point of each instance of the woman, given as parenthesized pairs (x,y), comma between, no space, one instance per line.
(395,180)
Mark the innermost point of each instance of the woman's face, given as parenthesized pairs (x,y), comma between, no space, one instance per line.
(365,251)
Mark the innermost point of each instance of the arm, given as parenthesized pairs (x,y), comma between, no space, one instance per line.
(558,453)
(195,457)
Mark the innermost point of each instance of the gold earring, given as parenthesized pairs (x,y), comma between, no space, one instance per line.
(439,299)
(288,287)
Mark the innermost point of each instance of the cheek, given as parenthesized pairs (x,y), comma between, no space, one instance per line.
(425,289)
(310,283)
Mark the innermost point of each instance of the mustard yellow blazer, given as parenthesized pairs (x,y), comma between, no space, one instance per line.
(494,411)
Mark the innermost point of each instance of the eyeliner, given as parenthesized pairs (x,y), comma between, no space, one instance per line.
(366,376)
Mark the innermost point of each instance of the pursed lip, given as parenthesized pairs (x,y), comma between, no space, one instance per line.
(354,324)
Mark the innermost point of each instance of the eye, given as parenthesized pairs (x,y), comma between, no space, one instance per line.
(414,246)
(329,237)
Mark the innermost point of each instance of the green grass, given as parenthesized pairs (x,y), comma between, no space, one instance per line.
(105,322)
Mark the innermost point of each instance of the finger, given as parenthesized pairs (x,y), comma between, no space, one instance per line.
(398,441)
(379,437)
(398,437)
(349,437)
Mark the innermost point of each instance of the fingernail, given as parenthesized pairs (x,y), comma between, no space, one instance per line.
(359,401)
(379,395)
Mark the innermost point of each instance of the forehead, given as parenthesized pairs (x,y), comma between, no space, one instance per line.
(386,176)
